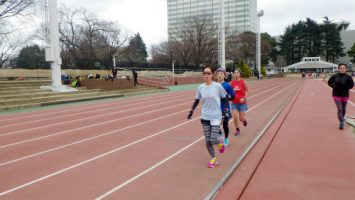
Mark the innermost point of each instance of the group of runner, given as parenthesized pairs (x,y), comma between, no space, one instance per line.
(216,110)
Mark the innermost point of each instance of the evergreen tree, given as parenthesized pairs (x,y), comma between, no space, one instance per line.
(332,44)
(245,70)
(263,70)
(351,53)
(31,57)
(313,39)
(269,46)
(137,50)
(310,39)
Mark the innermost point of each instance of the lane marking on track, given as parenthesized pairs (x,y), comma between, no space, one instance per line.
(90,126)
(85,108)
(62,132)
(93,159)
(91,138)
(91,117)
(118,149)
(224,179)
(172,156)
(88,139)
(149,169)
(142,100)
(87,112)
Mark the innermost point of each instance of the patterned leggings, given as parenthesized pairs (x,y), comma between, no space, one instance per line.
(211,133)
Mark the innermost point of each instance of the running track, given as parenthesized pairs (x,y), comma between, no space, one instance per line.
(133,148)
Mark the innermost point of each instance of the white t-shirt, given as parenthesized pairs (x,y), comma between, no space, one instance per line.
(211,95)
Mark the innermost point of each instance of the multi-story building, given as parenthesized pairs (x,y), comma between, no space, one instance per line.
(240,15)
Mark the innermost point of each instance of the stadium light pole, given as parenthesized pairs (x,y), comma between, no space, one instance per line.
(172,64)
(258,42)
(221,38)
(52,51)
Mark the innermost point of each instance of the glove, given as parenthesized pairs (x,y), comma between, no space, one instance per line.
(190,114)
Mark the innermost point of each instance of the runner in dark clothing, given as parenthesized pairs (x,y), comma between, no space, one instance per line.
(221,73)
(341,84)
(135,77)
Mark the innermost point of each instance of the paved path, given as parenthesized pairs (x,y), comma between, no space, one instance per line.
(303,155)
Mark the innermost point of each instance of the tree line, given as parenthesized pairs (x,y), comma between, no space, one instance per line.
(309,39)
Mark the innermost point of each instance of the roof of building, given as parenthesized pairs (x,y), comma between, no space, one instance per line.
(312,64)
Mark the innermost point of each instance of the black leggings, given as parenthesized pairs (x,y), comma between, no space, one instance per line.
(225,122)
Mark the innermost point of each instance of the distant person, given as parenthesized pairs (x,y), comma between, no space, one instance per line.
(90,76)
(303,75)
(66,79)
(229,77)
(211,94)
(76,82)
(114,73)
(341,84)
(221,74)
(135,77)
(239,103)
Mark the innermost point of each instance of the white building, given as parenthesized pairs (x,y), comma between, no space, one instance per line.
(240,15)
(311,64)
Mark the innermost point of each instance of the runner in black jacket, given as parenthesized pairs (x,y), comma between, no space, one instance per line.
(341,84)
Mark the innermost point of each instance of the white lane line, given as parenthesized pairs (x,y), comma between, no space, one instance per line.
(108,153)
(86,112)
(92,159)
(149,169)
(91,117)
(85,127)
(59,133)
(55,111)
(88,139)
(78,142)
(171,156)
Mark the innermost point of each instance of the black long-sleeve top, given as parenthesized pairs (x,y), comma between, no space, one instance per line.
(341,84)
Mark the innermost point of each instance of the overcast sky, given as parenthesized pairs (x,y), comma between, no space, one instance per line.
(149,17)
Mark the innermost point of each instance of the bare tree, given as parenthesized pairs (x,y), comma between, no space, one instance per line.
(85,37)
(195,42)
(241,48)
(161,53)
(9,38)
(11,8)
(8,46)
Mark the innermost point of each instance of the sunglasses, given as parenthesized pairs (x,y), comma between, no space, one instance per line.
(207,73)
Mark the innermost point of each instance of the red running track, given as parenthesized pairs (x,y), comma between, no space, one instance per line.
(135,148)
(303,155)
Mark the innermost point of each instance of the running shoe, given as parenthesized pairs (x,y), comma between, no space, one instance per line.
(213,163)
(341,126)
(226,141)
(221,146)
(237,132)
(245,123)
